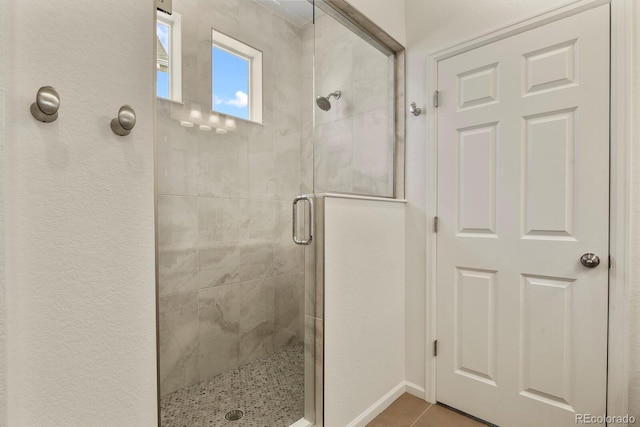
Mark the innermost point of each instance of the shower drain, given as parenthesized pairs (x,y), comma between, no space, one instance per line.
(234,415)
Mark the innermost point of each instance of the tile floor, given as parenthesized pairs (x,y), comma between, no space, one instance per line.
(409,411)
(270,392)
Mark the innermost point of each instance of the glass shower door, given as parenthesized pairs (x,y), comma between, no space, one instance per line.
(354,154)
(355,118)
(231,281)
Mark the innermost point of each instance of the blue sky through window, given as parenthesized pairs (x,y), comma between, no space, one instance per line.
(162,31)
(230,83)
(163,84)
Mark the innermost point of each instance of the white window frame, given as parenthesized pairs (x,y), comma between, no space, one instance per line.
(174,22)
(254,57)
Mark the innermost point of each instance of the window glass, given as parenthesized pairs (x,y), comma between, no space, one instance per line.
(230,83)
(163,33)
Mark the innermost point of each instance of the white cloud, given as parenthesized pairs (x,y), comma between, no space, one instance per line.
(217,100)
(241,100)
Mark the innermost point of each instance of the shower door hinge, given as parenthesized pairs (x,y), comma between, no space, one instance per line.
(436,99)
(165,6)
(435,224)
(610,262)
(435,348)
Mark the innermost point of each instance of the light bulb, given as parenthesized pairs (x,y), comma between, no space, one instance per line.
(195,114)
(230,124)
(214,120)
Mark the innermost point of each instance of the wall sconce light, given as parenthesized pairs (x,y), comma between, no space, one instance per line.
(191,114)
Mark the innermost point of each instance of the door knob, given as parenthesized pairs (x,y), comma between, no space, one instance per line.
(125,121)
(590,260)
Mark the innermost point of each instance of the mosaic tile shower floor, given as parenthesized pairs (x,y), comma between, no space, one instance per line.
(269,391)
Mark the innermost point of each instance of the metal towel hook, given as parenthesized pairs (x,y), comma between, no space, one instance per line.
(125,121)
(414,109)
(45,109)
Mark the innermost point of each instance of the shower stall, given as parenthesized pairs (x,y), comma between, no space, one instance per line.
(243,130)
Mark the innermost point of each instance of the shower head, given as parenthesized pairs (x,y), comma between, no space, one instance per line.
(323,101)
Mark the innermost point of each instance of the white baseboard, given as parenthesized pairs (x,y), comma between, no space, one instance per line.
(301,423)
(383,403)
(374,410)
(415,390)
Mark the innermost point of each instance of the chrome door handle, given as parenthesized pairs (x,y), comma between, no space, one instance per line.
(308,198)
(590,260)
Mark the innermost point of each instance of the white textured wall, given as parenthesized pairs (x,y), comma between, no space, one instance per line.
(436,24)
(80,216)
(364,305)
(3,371)
(634,297)
(387,14)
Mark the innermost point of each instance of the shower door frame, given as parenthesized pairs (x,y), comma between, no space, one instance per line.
(364,27)
(302,422)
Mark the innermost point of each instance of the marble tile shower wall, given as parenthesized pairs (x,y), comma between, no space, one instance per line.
(231,280)
(354,140)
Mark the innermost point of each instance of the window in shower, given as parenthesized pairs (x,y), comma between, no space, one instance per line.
(168,60)
(236,78)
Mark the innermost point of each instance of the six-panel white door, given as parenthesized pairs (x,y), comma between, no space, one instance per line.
(523,193)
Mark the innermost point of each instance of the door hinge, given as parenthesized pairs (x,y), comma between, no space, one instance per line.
(610,262)
(435,224)
(435,348)
(436,99)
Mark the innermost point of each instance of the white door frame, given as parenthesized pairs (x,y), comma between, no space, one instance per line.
(620,179)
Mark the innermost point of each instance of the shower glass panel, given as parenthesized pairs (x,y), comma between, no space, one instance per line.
(231,281)
(354,111)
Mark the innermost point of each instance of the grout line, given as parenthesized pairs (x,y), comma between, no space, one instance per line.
(420,416)
(257,279)
(464,414)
